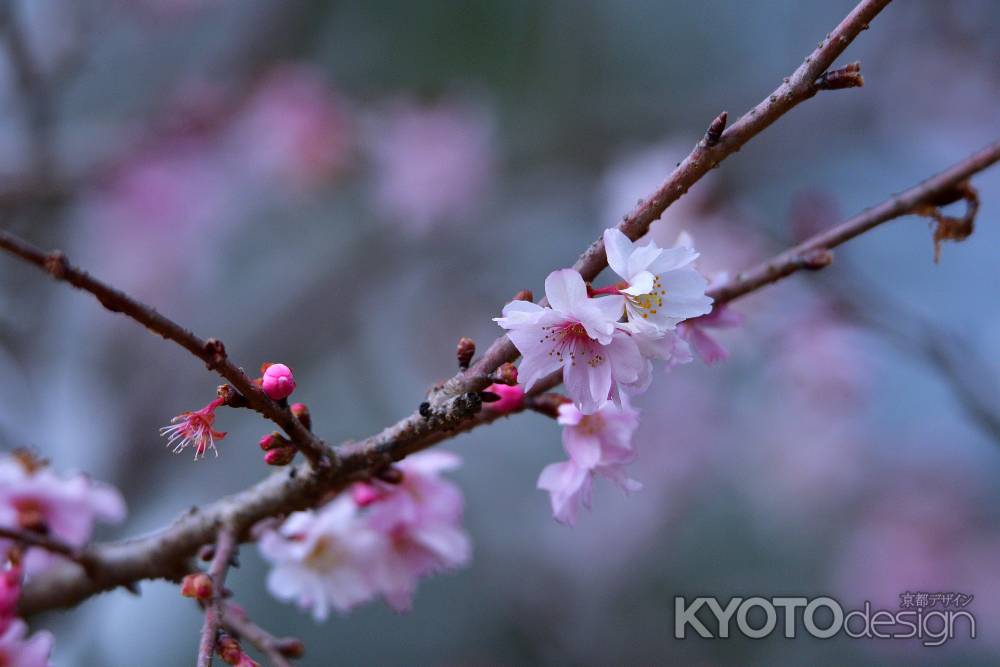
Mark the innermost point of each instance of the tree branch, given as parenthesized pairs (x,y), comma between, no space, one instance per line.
(211,351)
(32,539)
(278,650)
(163,554)
(225,547)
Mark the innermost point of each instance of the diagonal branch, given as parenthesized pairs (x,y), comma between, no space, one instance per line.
(803,84)
(211,351)
(162,554)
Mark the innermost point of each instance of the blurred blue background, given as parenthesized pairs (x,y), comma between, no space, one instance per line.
(349,187)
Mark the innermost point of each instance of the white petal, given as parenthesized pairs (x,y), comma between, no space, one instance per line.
(618,247)
(641,257)
(640,283)
(564,289)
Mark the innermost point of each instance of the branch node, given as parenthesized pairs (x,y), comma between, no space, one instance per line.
(216,353)
(715,129)
(848,76)
(817,259)
(57,265)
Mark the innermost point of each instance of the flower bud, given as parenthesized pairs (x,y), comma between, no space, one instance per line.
(280,456)
(302,413)
(466,350)
(511,398)
(272,440)
(290,647)
(229,650)
(278,382)
(364,494)
(506,374)
(197,586)
(524,295)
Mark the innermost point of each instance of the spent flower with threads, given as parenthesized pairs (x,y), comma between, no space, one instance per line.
(194,429)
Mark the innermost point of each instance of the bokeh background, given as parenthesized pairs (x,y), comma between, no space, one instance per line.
(348,187)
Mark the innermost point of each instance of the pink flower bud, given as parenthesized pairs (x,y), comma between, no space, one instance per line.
(302,412)
(278,382)
(280,456)
(197,586)
(270,441)
(364,494)
(511,398)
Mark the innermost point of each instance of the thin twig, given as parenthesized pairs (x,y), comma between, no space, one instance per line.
(225,547)
(277,650)
(211,351)
(32,539)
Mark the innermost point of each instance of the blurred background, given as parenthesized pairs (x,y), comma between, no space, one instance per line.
(348,187)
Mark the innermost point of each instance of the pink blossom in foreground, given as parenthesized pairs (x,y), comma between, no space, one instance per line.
(597,444)
(511,398)
(35,498)
(662,287)
(433,164)
(194,429)
(322,559)
(701,341)
(577,334)
(420,523)
(278,382)
(294,128)
(10,593)
(19,650)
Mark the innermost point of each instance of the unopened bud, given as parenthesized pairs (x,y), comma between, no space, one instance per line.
(466,350)
(302,413)
(197,586)
(506,374)
(278,382)
(290,647)
(524,295)
(280,456)
(229,650)
(272,440)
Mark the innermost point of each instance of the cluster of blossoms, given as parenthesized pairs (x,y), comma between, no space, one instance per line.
(379,540)
(604,342)
(35,499)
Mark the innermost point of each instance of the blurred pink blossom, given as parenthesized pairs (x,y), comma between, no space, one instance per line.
(19,650)
(420,522)
(432,163)
(294,127)
(66,508)
(511,398)
(321,558)
(597,444)
(695,332)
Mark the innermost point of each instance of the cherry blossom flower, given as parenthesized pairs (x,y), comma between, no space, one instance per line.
(433,163)
(577,334)
(19,650)
(194,428)
(597,444)
(420,522)
(322,559)
(35,498)
(662,287)
(704,344)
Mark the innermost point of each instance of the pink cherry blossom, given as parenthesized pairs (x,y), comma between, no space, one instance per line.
(322,559)
(597,444)
(194,429)
(420,522)
(293,127)
(511,398)
(19,650)
(433,163)
(35,498)
(704,344)
(576,334)
(10,593)
(278,382)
